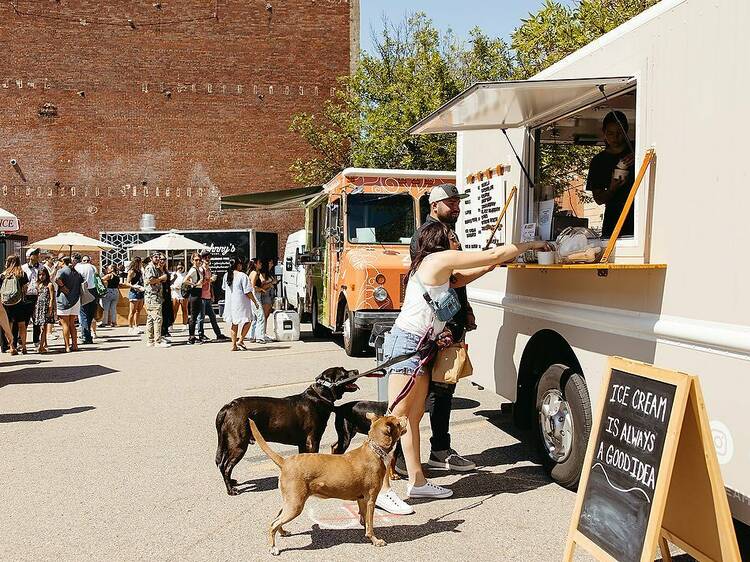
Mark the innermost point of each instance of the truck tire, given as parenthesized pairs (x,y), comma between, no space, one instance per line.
(563,423)
(318,330)
(355,339)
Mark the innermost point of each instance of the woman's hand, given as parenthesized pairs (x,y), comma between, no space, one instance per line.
(541,245)
(445,338)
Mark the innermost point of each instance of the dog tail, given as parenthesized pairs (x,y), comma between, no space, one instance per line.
(221,446)
(273,455)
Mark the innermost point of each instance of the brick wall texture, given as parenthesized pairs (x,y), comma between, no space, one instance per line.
(193,101)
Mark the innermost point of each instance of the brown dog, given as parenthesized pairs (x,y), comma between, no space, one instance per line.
(356,475)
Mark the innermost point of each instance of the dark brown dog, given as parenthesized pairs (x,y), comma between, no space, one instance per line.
(356,475)
(297,420)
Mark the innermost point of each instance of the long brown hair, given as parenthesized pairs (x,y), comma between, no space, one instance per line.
(13,266)
(135,263)
(434,237)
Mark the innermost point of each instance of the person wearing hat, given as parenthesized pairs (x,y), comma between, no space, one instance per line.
(445,208)
(31,269)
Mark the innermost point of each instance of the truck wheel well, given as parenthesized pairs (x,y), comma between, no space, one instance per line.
(545,348)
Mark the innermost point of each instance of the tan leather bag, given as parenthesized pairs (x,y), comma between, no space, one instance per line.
(451,364)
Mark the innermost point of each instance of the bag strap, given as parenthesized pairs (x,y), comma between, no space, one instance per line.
(425,294)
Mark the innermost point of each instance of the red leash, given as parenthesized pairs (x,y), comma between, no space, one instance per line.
(426,356)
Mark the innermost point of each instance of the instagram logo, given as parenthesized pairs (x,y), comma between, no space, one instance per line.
(723,441)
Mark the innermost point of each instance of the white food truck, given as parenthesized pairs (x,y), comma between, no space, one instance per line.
(675,292)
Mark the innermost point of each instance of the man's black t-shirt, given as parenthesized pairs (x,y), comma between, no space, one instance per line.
(458,324)
(600,177)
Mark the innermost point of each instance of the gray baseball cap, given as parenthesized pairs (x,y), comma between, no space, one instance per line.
(445,191)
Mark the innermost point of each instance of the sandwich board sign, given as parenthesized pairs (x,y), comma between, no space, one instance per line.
(651,476)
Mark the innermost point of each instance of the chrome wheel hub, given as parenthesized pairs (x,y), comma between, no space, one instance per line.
(556,423)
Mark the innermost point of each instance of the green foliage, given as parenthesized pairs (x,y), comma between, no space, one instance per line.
(415,70)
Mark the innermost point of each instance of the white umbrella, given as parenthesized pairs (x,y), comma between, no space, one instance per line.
(170,241)
(72,241)
(8,221)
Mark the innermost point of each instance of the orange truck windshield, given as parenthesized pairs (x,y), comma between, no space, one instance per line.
(380,218)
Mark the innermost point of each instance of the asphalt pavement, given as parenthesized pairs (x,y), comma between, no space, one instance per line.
(108,453)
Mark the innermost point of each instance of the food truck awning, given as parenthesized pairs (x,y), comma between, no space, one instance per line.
(517,103)
(278,199)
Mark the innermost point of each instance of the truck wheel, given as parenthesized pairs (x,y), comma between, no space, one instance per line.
(317,329)
(563,421)
(354,338)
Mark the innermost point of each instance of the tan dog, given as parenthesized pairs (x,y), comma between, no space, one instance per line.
(356,475)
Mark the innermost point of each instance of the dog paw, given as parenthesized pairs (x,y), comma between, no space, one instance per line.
(378,542)
(284,533)
(274,550)
(232,491)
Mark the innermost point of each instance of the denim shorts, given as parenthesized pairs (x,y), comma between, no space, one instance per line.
(134,295)
(398,342)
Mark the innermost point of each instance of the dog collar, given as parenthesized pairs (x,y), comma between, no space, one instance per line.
(378,450)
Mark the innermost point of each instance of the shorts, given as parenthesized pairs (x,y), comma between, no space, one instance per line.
(266,298)
(398,342)
(177,296)
(72,311)
(135,295)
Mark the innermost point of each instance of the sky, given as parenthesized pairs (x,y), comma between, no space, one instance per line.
(498,18)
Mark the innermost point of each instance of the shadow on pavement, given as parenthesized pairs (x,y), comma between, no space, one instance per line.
(26,362)
(265,346)
(463,403)
(43,415)
(35,375)
(504,422)
(326,538)
(258,485)
(515,480)
(506,454)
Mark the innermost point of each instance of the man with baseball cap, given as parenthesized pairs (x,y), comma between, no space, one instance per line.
(445,207)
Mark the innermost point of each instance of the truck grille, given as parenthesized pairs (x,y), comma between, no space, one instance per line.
(402,292)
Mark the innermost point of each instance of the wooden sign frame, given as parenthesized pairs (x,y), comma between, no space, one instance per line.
(690,508)
(501,216)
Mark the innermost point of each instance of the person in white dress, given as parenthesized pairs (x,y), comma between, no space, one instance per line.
(239,302)
(179,303)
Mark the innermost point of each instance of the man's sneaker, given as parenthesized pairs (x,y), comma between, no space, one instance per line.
(390,502)
(450,460)
(163,343)
(400,467)
(192,341)
(428,490)
(203,338)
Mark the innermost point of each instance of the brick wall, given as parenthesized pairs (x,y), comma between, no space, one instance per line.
(107,121)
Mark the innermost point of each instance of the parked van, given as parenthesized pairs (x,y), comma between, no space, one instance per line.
(674,294)
(293,284)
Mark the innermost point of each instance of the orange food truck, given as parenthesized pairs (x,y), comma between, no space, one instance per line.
(359,226)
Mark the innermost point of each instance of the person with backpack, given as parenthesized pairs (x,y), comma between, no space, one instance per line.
(31,269)
(13,293)
(191,290)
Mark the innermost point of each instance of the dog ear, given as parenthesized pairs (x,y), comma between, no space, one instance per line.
(372,416)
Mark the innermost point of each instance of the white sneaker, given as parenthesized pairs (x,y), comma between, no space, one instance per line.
(428,491)
(268,339)
(149,344)
(390,502)
(164,343)
(132,331)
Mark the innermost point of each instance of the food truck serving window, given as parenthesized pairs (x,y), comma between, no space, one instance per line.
(380,218)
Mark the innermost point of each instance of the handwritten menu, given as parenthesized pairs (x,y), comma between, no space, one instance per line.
(480,212)
(623,473)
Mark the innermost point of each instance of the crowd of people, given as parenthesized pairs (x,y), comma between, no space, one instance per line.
(68,291)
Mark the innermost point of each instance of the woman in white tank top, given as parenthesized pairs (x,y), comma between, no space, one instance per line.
(437,259)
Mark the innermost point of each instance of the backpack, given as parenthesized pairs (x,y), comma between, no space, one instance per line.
(12,290)
(99,287)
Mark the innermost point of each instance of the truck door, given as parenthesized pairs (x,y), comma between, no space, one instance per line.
(335,235)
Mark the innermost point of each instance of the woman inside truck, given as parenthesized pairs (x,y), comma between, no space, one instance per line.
(437,258)
(612,173)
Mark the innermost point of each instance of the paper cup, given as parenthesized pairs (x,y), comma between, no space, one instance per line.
(546,258)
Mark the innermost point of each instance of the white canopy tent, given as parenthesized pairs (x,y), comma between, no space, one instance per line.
(171,241)
(70,241)
(8,222)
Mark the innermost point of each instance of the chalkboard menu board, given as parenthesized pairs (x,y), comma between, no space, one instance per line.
(481,210)
(619,493)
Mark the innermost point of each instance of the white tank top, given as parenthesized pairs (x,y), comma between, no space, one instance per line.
(416,316)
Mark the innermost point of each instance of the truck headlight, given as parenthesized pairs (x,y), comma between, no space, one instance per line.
(380,294)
